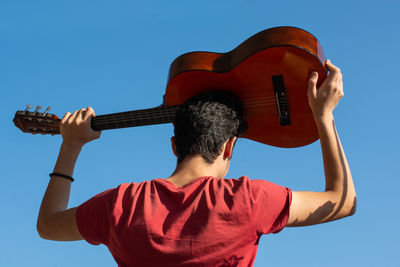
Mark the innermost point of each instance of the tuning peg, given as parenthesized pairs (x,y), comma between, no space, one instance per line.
(28,107)
(46,111)
(38,108)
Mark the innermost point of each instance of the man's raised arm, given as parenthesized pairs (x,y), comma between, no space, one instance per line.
(55,222)
(339,198)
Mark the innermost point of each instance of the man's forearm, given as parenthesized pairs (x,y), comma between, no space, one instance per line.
(338,177)
(67,158)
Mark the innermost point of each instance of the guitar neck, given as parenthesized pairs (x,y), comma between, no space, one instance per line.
(157,115)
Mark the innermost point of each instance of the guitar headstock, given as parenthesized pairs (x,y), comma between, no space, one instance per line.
(36,122)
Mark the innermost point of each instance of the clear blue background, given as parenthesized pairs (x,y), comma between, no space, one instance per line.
(115,56)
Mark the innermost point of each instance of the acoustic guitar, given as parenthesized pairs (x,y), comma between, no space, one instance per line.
(269,72)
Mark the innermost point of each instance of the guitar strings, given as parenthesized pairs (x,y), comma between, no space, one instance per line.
(165,113)
(158,113)
(148,117)
(153,115)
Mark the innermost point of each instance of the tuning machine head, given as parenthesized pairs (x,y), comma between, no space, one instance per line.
(36,122)
(38,107)
(46,111)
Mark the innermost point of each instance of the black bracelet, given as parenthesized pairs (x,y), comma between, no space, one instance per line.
(61,175)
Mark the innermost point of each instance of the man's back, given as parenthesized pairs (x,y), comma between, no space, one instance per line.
(208,222)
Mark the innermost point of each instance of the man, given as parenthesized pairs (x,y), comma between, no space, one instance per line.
(196,217)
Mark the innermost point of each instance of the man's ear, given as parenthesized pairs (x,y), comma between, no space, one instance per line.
(173,146)
(228,150)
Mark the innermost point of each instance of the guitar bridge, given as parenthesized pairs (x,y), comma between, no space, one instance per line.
(281,100)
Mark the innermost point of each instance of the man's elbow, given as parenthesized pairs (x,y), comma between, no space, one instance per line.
(350,208)
(353,207)
(41,230)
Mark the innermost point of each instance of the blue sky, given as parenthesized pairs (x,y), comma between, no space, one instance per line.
(115,56)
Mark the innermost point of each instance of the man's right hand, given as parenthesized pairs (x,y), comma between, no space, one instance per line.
(75,128)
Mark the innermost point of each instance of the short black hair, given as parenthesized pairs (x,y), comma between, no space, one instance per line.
(205,122)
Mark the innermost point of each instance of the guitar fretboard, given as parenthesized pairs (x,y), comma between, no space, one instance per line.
(157,115)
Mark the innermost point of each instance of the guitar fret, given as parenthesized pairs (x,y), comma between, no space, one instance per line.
(124,120)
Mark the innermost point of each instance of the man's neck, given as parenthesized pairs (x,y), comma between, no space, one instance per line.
(194,167)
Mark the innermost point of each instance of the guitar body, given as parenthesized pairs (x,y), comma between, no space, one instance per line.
(248,71)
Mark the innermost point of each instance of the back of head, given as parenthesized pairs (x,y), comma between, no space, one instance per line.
(205,122)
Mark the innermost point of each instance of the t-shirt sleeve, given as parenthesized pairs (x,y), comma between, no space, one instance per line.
(271,206)
(93,217)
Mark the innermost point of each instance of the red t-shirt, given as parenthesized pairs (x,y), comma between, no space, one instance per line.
(209,222)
